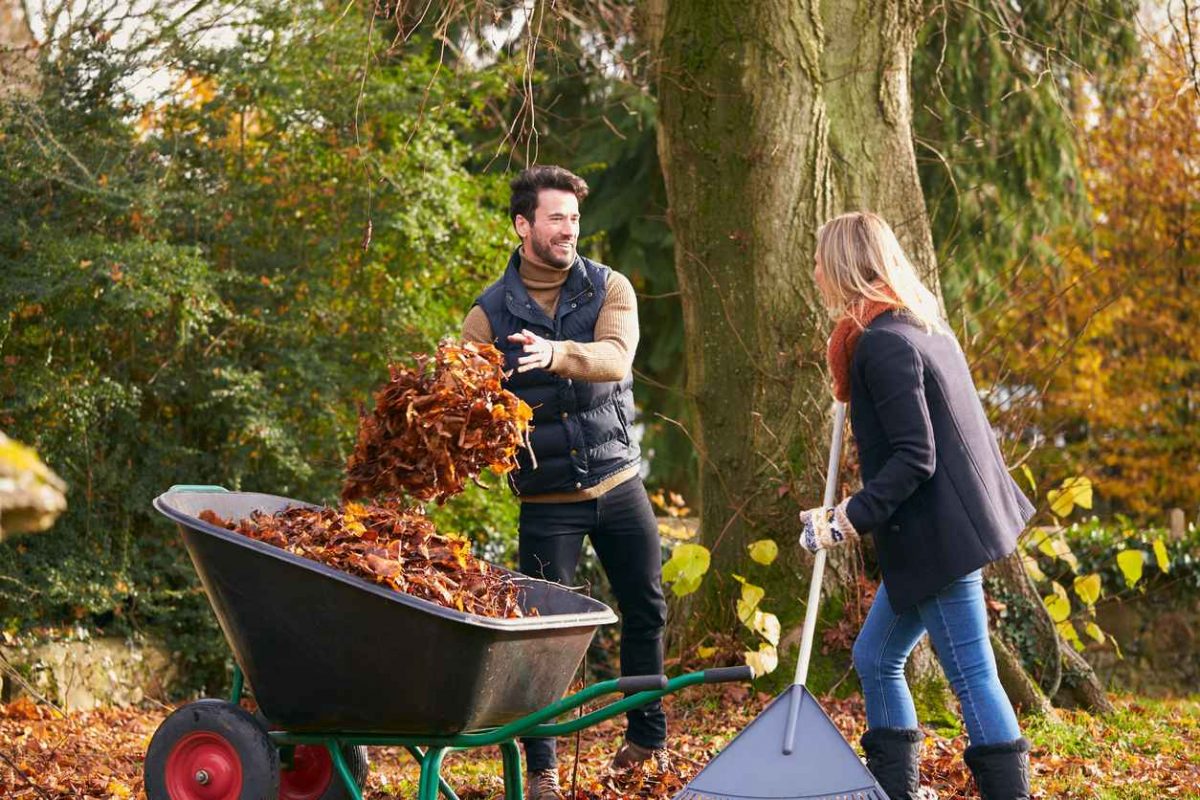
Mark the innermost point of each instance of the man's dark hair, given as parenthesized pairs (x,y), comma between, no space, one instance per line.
(525,188)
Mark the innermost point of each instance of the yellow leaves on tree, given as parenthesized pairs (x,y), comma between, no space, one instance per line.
(31,494)
(1100,339)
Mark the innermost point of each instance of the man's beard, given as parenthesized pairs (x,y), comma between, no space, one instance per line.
(548,254)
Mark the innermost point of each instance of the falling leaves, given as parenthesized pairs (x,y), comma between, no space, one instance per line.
(437,425)
(434,427)
(1104,326)
(393,546)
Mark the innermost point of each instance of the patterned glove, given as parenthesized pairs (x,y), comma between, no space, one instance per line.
(825,527)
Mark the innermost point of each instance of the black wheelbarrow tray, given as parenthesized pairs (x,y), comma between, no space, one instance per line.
(338,663)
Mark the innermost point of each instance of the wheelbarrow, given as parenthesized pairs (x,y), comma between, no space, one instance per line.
(338,663)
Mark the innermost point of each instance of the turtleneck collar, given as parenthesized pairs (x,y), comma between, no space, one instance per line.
(536,274)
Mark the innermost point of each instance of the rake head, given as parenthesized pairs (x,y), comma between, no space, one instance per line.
(819,766)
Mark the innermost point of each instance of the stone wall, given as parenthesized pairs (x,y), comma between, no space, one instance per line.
(1159,637)
(81,674)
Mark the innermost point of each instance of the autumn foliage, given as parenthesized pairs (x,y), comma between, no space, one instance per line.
(1097,351)
(437,425)
(1142,751)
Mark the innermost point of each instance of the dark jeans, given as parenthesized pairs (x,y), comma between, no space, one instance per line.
(624,534)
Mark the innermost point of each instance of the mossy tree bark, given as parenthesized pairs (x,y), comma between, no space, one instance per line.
(774,116)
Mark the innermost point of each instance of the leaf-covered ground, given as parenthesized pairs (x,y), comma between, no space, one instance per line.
(1148,749)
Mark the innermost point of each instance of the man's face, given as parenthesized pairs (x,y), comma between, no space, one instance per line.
(552,234)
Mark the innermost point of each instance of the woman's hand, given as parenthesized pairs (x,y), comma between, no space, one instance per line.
(825,527)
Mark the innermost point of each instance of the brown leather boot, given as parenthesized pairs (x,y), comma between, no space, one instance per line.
(542,784)
(631,755)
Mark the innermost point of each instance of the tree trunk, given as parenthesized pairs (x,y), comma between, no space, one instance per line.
(1026,625)
(773,118)
(1080,687)
(774,115)
(1024,694)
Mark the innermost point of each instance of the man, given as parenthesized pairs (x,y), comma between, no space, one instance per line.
(568,328)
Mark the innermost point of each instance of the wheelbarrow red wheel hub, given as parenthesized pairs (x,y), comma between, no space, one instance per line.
(204,766)
(310,775)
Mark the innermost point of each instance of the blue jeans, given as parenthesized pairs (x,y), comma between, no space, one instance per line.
(956,619)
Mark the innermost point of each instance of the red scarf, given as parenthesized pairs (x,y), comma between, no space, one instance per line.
(845,338)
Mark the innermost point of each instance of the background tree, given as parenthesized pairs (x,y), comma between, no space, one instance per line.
(1099,352)
(16,48)
(774,116)
(331,182)
(995,96)
(186,295)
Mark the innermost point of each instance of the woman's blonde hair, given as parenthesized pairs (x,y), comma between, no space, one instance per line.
(861,260)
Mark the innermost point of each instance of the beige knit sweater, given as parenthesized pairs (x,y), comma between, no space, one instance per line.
(608,358)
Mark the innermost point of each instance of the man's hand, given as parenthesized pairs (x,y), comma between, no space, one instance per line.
(539,352)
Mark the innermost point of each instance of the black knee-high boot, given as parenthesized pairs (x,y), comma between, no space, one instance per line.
(894,758)
(1001,770)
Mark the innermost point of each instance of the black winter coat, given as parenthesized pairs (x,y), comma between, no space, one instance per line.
(936,494)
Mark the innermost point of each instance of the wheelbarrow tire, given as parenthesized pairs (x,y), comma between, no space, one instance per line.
(313,775)
(211,750)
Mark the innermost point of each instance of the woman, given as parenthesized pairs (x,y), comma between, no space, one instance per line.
(936,495)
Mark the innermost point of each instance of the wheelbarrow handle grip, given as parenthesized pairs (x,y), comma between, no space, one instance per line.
(728,675)
(642,683)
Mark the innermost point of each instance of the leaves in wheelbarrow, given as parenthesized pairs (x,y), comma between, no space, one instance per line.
(437,425)
(390,545)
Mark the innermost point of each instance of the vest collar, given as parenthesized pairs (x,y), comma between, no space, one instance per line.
(578,285)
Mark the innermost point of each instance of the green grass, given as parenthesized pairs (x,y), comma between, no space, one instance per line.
(1147,749)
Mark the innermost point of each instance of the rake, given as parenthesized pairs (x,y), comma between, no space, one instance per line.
(792,751)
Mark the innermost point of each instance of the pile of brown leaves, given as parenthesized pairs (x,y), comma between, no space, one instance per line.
(45,755)
(390,545)
(437,425)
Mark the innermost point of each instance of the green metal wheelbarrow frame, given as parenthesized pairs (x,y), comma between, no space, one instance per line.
(430,751)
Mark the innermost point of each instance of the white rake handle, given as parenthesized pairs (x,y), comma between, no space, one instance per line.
(814,589)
